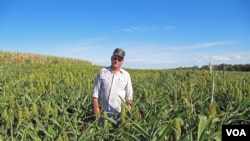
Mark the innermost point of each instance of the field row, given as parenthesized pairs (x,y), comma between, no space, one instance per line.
(53,102)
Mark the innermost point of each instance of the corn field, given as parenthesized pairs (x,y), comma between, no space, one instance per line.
(52,101)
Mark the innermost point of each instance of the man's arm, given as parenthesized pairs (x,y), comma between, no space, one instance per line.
(129,93)
(96,106)
(95,95)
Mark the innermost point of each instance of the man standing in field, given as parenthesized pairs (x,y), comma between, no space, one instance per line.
(113,87)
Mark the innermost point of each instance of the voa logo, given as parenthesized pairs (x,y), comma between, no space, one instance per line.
(236,132)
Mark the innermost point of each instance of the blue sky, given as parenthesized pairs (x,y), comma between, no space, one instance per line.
(154,33)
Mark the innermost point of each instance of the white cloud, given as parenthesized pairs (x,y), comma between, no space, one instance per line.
(237,56)
(143,29)
(220,58)
(202,45)
(168,28)
(135,29)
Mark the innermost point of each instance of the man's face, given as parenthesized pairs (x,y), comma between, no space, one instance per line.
(116,61)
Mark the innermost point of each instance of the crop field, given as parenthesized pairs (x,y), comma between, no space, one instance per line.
(52,101)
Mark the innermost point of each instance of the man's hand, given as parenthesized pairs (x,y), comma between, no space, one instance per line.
(129,104)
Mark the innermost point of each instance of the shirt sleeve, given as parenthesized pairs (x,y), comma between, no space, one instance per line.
(129,90)
(97,87)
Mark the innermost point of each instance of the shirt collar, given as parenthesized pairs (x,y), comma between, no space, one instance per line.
(109,69)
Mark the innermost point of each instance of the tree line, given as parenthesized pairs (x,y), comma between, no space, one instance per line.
(222,67)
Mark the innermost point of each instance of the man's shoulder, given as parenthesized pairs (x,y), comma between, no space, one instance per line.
(104,69)
(125,72)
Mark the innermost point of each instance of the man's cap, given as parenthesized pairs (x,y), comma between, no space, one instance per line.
(119,52)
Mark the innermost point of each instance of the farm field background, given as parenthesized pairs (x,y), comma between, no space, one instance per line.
(49,98)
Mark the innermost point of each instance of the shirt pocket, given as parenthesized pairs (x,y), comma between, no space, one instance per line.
(105,82)
(122,83)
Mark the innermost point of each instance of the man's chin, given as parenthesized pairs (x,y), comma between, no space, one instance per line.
(115,66)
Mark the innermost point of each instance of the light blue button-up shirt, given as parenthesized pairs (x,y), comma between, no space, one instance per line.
(113,89)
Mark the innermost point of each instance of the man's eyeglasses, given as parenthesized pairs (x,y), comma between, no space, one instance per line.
(116,58)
